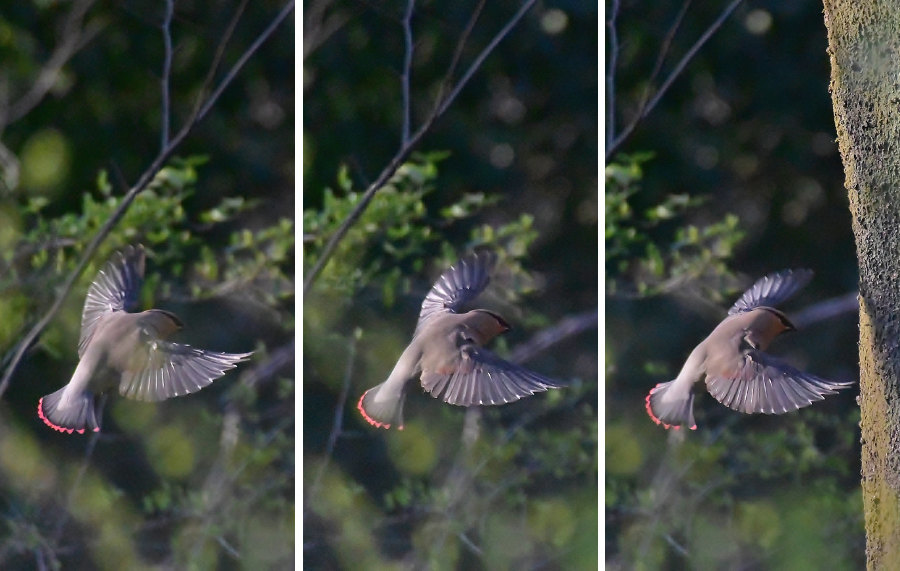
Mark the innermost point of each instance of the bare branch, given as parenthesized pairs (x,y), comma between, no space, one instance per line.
(220,54)
(405,149)
(827,309)
(317,28)
(166,73)
(9,169)
(479,60)
(613,38)
(129,197)
(679,68)
(232,73)
(664,51)
(546,338)
(82,470)
(458,484)
(661,57)
(407,71)
(469,543)
(261,371)
(342,400)
(74,36)
(222,475)
(338,423)
(457,53)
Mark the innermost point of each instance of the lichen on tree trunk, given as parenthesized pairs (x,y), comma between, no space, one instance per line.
(864,49)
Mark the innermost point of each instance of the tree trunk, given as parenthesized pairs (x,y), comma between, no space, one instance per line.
(864,48)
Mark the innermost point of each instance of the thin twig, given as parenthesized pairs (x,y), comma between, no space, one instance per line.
(317,27)
(479,60)
(73,38)
(288,8)
(338,422)
(222,475)
(82,470)
(613,38)
(406,149)
(469,543)
(826,309)
(670,472)
(407,71)
(546,338)
(463,471)
(166,73)
(457,485)
(10,167)
(661,57)
(664,51)
(220,53)
(457,53)
(129,197)
(234,553)
(679,68)
(342,399)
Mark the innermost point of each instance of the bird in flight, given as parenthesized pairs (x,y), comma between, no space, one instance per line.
(447,352)
(128,351)
(738,371)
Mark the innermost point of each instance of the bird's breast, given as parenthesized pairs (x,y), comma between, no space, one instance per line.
(116,341)
(439,346)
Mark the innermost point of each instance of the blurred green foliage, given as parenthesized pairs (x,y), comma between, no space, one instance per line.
(733,175)
(641,261)
(198,482)
(508,460)
(511,166)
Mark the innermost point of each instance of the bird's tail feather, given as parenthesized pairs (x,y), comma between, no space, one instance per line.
(382,409)
(670,408)
(76,415)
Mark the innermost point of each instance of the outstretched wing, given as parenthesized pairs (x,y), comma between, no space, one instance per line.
(461,283)
(482,378)
(772,290)
(165,370)
(766,384)
(115,288)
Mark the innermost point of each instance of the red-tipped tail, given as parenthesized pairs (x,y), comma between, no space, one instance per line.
(669,409)
(381,413)
(76,416)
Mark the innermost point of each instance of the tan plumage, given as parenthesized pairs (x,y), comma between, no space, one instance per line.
(447,352)
(128,351)
(732,361)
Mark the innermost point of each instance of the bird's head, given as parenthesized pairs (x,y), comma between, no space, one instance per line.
(158,323)
(485,325)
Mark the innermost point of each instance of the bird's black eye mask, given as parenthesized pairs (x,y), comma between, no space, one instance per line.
(500,321)
(788,326)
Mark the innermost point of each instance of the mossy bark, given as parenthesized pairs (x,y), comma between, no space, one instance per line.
(864,48)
